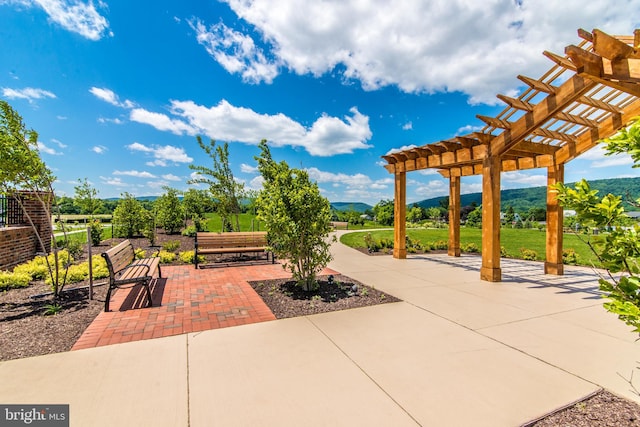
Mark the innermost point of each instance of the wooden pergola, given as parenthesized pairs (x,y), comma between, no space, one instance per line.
(587,95)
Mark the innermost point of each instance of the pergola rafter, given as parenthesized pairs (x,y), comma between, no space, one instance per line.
(587,95)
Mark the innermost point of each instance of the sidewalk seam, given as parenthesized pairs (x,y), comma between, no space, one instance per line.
(363,371)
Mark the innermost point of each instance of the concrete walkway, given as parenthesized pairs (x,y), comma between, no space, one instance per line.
(456,352)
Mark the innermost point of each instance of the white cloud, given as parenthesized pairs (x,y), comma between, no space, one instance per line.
(58,143)
(75,16)
(613,161)
(327,136)
(137,174)
(162,154)
(464,130)
(171,177)
(28,93)
(109,96)
(256,183)
(48,150)
(520,179)
(113,181)
(404,147)
(432,189)
(419,46)
(61,117)
(116,121)
(245,168)
(235,52)
(407,126)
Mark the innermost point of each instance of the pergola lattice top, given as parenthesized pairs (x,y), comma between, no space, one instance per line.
(587,95)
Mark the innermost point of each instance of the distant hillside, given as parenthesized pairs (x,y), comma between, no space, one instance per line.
(522,199)
(351,206)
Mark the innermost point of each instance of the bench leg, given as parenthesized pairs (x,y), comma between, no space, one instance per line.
(148,289)
(106,302)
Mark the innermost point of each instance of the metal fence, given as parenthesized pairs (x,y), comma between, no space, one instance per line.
(10,212)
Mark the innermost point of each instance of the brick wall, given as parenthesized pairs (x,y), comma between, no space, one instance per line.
(17,245)
(18,242)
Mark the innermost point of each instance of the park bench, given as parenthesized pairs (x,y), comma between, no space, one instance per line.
(237,242)
(125,269)
(337,225)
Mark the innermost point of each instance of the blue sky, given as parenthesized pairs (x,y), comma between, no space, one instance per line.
(118,90)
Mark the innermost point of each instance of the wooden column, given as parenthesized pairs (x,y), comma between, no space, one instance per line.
(400,216)
(555,217)
(454,216)
(490,270)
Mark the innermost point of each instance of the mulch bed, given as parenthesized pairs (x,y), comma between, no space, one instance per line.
(334,293)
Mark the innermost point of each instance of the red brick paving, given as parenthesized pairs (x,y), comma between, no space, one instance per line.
(184,300)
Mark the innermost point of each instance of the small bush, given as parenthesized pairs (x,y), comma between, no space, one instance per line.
(140,253)
(96,232)
(190,231)
(386,243)
(570,257)
(36,268)
(166,257)
(440,245)
(371,243)
(171,245)
(528,254)
(189,257)
(470,247)
(503,252)
(10,280)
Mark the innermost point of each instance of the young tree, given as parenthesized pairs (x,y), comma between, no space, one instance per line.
(170,214)
(415,214)
(129,217)
(223,187)
(619,249)
(23,175)
(297,218)
(86,198)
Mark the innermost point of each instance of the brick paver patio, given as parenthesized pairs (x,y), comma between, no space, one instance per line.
(184,300)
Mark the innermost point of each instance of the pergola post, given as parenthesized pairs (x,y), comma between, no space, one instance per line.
(454,216)
(490,270)
(400,216)
(555,217)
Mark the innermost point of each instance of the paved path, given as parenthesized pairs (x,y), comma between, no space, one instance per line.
(456,352)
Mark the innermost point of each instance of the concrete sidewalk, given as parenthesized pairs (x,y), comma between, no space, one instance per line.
(456,351)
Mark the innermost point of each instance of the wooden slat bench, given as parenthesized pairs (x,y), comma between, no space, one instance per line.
(231,243)
(125,269)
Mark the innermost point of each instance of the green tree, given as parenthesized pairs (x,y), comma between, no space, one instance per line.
(22,170)
(619,249)
(509,215)
(129,217)
(297,218)
(474,219)
(170,214)
(383,211)
(434,213)
(415,214)
(222,185)
(86,198)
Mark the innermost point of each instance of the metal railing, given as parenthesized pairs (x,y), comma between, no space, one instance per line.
(10,212)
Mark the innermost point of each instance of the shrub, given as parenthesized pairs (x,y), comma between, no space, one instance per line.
(569,256)
(139,253)
(36,268)
(440,245)
(96,232)
(503,252)
(171,245)
(470,247)
(166,257)
(190,231)
(10,280)
(189,257)
(129,217)
(386,243)
(74,247)
(371,243)
(528,254)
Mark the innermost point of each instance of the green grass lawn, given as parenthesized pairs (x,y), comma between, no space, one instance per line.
(248,222)
(511,239)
